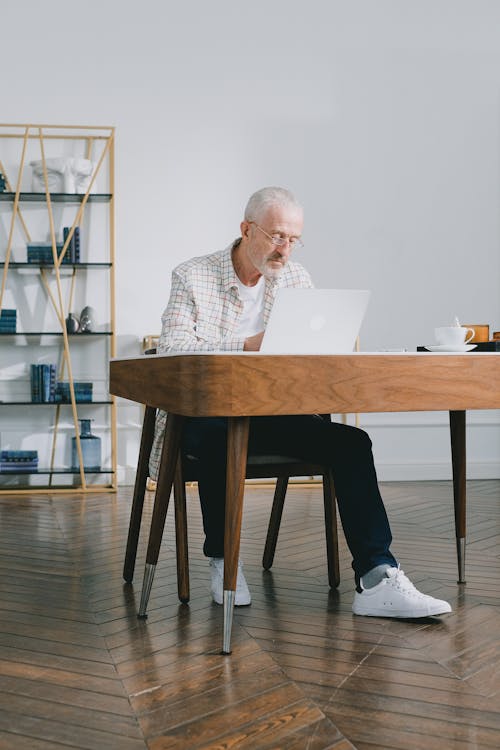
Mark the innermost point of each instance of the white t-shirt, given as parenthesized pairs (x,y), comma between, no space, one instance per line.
(252,319)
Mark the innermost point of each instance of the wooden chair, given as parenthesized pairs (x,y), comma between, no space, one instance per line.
(258,467)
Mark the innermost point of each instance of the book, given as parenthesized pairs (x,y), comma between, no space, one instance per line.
(41,253)
(18,467)
(52,385)
(8,320)
(19,455)
(73,251)
(76,245)
(17,461)
(83,392)
(36,395)
(43,383)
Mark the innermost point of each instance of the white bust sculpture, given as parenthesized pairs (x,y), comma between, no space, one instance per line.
(64,175)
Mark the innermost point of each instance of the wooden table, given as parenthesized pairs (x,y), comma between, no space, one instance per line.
(242,385)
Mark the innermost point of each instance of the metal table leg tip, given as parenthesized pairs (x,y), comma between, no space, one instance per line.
(228,620)
(461,560)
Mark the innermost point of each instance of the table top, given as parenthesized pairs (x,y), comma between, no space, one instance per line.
(248,384)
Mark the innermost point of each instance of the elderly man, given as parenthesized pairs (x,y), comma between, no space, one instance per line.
(221,302)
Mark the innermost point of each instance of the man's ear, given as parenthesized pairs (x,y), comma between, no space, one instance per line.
(244,228)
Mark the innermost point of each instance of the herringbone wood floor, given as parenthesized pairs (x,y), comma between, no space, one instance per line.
(78,670)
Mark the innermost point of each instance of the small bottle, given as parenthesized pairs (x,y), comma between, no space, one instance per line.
(72,323)
(91,448)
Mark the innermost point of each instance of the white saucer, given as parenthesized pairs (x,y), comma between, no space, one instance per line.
(451,348)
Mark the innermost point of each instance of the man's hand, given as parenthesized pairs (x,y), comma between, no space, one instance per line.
(252,343)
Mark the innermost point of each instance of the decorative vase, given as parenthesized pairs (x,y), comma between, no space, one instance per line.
(87,320)
(72,323)
(91,448)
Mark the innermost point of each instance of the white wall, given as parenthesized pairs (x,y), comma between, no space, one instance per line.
(383,116)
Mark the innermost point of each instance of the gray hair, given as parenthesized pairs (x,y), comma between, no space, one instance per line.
(266,197)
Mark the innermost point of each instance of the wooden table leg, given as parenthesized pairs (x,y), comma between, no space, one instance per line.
(181,533)
(169,455)
(141,476)
(237,448)
(332,546)
(457,432)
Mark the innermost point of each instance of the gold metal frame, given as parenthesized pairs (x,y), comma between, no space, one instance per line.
(93,137)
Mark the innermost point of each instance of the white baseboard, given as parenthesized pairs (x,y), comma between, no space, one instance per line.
(387,472)
(404,444)
(390,472)
(125,476)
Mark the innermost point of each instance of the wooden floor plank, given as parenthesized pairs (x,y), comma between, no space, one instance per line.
(79,670)
(89,718)
(238,715)
(277,729)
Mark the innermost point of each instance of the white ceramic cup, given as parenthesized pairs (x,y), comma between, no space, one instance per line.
(453,335)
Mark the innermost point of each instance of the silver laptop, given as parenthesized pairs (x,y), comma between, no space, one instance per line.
(315,321)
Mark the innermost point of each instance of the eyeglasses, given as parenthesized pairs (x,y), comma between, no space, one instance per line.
(280,241)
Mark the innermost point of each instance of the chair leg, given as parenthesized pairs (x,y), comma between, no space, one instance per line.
(181,540)
(274,522)
(332,550)
(141,476)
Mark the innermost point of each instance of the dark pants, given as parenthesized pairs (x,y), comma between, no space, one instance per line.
(309,438)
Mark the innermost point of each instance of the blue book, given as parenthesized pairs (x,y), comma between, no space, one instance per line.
(76,245)
(41,253)
(17,455)
(45,383)
(52,386)
(36,393)
(18,468)
(32,382)
(8,320)
(70,252)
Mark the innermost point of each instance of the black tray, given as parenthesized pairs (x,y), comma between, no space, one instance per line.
(483,346)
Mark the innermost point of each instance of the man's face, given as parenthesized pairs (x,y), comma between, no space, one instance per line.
(284,222)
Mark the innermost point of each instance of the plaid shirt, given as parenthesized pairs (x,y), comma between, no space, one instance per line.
(204,311)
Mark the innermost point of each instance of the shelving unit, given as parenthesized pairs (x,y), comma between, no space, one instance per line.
(44,293)
(9,197)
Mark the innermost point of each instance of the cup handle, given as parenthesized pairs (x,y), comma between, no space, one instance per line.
(473,333)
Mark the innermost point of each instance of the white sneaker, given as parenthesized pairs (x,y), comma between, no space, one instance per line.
(396,596)
(242,597)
